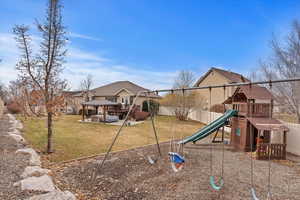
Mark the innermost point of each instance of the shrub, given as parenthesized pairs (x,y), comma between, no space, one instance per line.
(14,108)
(154,106)
(218,108)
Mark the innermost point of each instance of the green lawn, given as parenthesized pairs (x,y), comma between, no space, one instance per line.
(73,139)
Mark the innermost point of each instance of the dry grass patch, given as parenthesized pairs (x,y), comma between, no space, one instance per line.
(73,139)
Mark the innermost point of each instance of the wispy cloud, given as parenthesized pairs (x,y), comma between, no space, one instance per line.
(80,63)
(82,36)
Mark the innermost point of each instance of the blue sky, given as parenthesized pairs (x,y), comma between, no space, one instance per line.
(149,41)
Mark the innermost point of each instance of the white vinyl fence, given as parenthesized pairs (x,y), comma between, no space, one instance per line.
(293,136)
(202,116)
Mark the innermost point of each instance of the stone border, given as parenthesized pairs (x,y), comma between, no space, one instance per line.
(34,177)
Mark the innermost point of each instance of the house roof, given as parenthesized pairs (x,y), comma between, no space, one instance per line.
(71,92)
(114,88)
(269,124)
(232,77)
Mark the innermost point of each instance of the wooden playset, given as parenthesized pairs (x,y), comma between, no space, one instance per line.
(254,122)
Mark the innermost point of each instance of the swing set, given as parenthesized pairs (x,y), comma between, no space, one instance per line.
(176,157)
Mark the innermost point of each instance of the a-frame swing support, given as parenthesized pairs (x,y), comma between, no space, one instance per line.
(216,134)
(119,131)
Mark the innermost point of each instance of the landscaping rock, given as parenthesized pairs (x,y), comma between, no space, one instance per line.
(34,171)
(43,183)
(34,157)
(14,131)
(57,195)
(17,138)
(19,125)
(11,117)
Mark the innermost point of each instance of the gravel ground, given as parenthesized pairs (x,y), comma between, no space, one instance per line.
(11,165)
(128,175)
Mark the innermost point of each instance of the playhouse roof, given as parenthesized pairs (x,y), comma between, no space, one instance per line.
(269,124)
(255,92)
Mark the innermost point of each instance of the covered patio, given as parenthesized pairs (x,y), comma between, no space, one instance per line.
(104,105)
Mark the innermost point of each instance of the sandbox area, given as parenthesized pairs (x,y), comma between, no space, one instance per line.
(128,175)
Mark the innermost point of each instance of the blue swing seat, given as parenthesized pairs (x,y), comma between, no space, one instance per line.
(177,161)
(176,158)
(213,184)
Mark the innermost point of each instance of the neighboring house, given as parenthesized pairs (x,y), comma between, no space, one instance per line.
(217,76)
(122,92)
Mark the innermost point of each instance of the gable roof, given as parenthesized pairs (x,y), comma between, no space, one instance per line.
(114,88)
(232,77)
(256,92)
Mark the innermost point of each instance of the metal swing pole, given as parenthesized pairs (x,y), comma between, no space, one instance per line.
(153,126)
(227,85)
(118,133)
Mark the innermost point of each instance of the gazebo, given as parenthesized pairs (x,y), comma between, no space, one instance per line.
(96,104)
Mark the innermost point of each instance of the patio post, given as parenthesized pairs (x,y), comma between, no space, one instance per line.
(104,113)
(97,110)
(83,111)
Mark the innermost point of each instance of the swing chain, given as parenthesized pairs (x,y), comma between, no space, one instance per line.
(269,149)
(211,148)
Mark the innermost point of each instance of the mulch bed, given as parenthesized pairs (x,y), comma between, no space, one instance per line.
(128,175)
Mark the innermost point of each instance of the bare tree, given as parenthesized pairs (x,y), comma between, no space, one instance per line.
(85,86)
(42,71)
(3,92)
(184,79)
(183,102)
(285,64)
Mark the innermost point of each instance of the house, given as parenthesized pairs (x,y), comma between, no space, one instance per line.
(216,76)
(122,92)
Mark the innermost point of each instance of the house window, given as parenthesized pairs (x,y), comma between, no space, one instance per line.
(113,99)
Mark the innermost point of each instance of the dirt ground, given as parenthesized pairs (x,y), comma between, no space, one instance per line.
(128,175)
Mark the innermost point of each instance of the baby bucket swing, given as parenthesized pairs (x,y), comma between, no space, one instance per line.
(220,183)
(252,190)
(177,159)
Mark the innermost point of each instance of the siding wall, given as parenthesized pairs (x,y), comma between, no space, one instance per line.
(217,94)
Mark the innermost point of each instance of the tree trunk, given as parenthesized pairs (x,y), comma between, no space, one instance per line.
(298,117)
(49,127)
